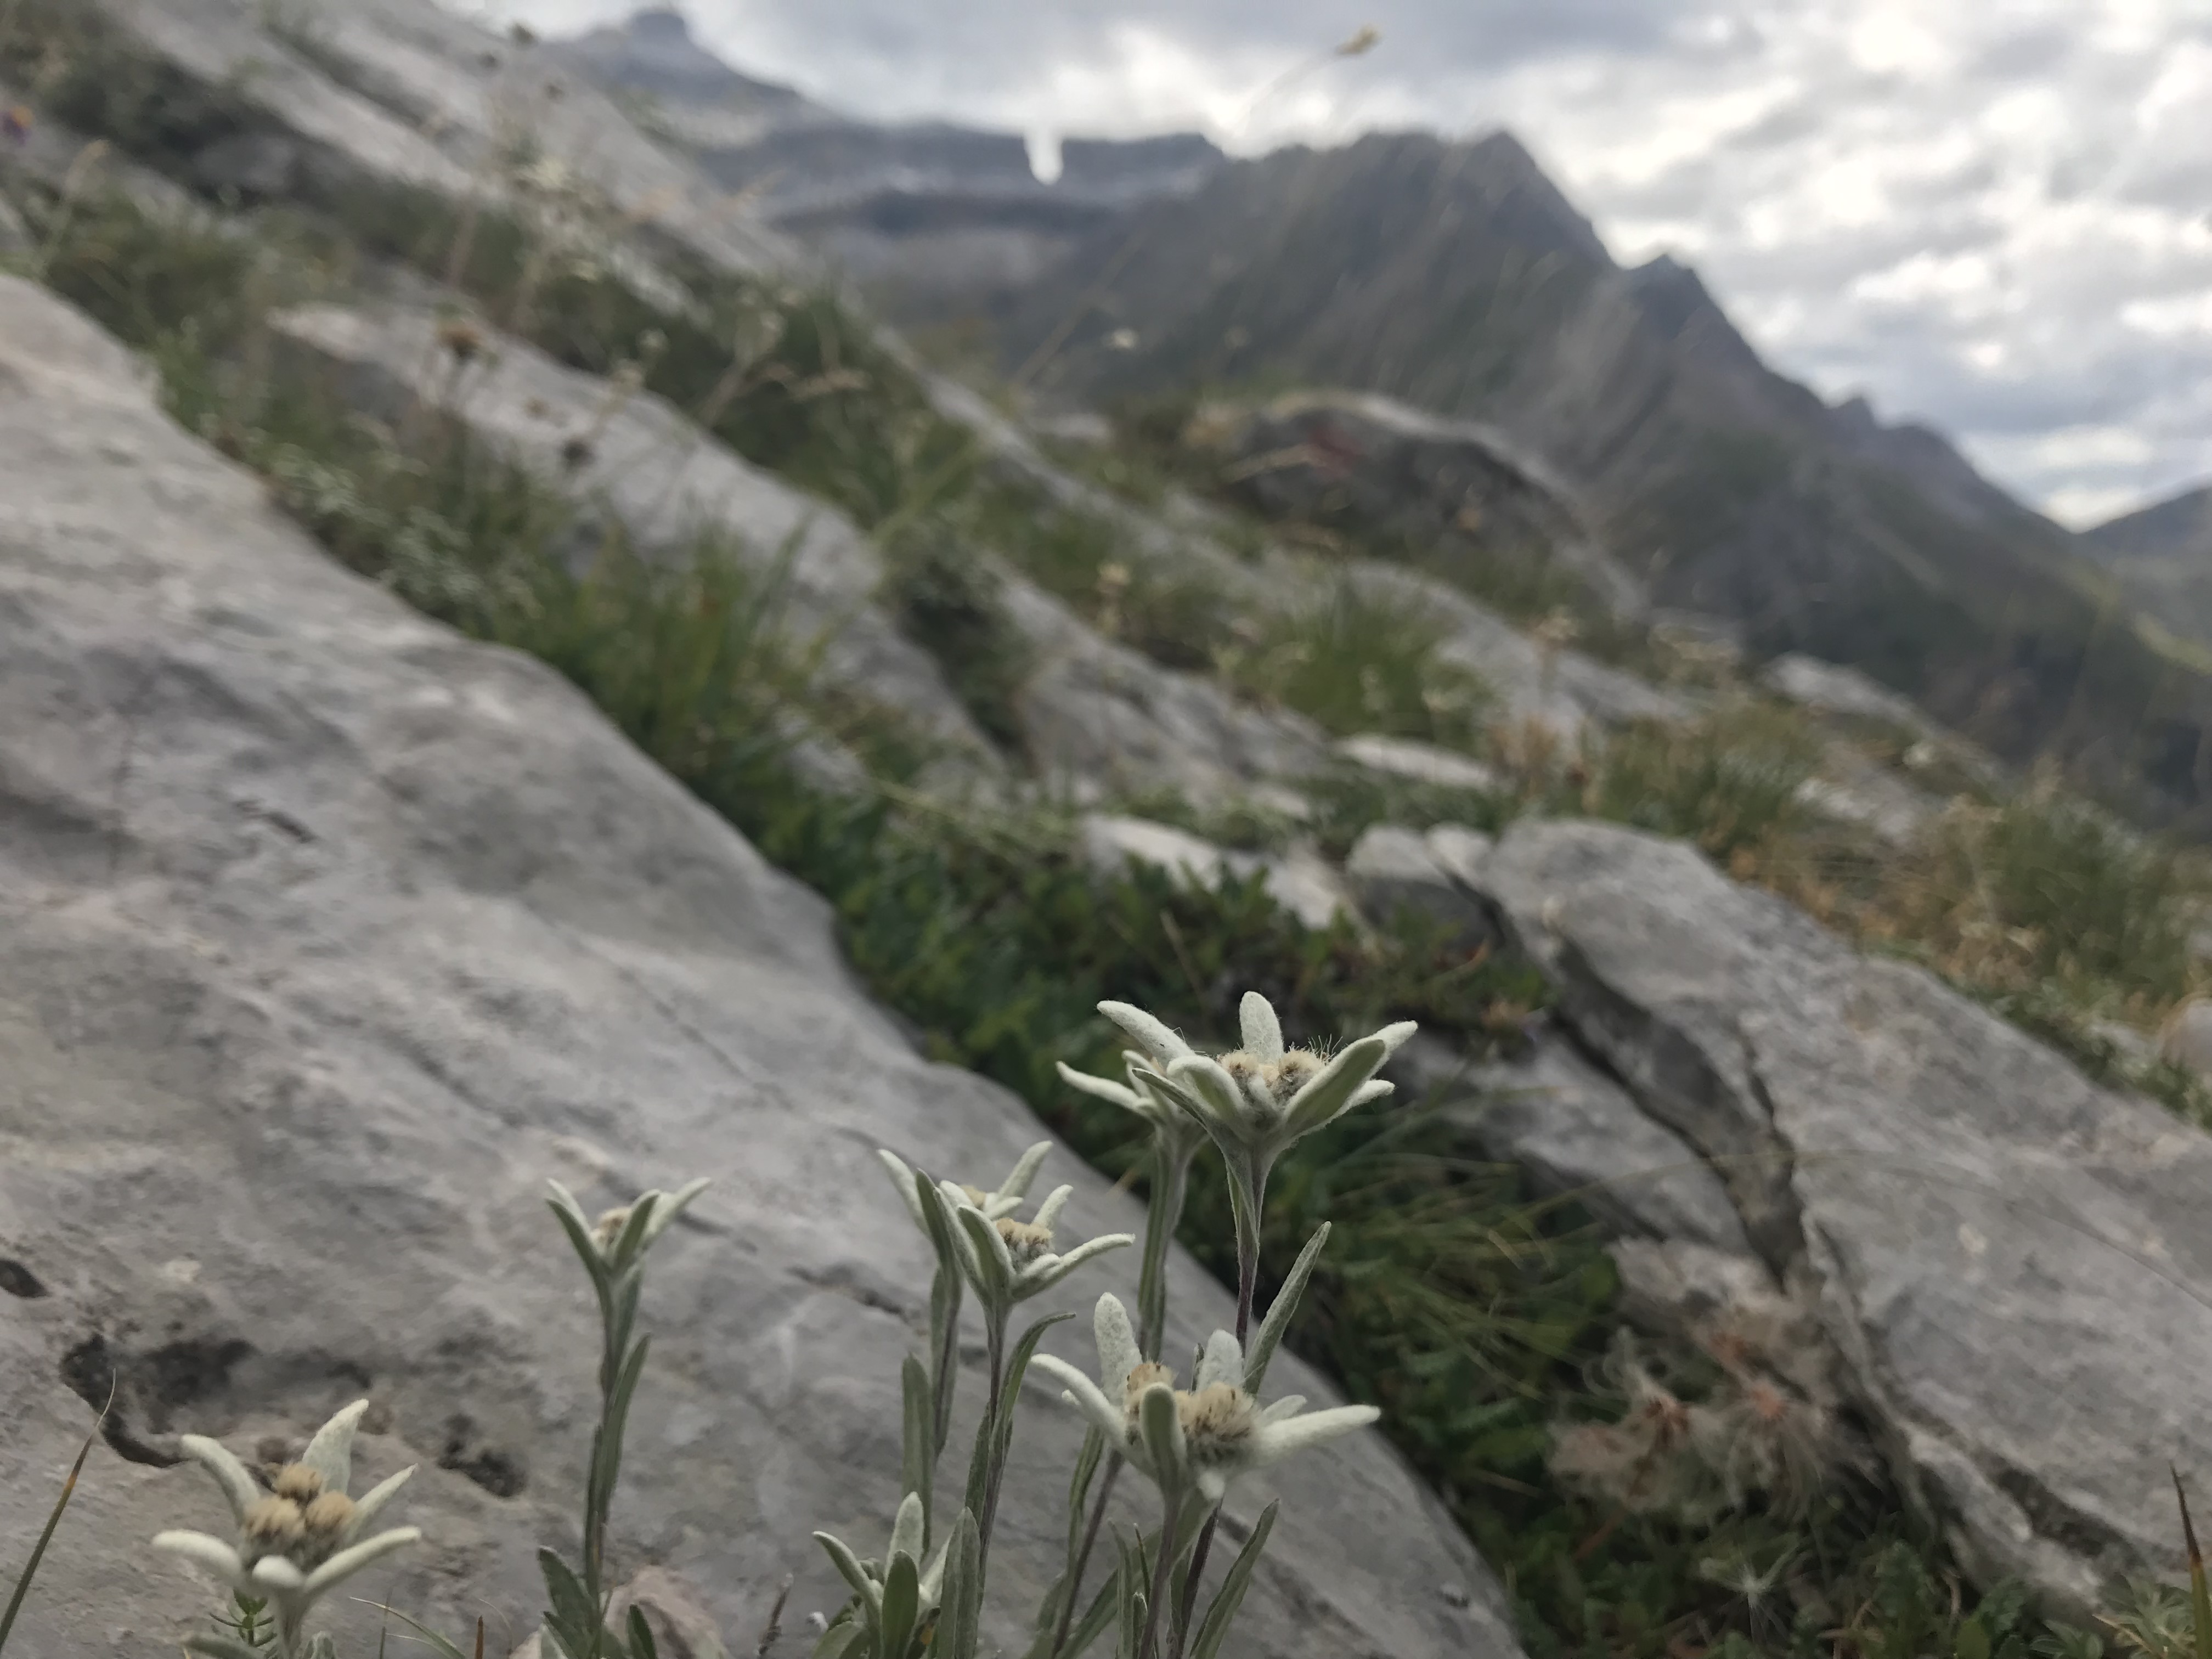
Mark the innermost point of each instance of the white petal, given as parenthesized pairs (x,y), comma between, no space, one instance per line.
(1086,1397)
(1328,1097)
(670,1206)
(1270,1443)
(1213,1088)
(902,1178)
(1394,1038)
(1048,1271)
(237,1485)
(1017,1183)
(217,1556)
(348,1562)
(1222,1361)
(275,1573)
(1055,1201)
(329,1454)
(1154,1038)
(1103,1088)
(1117,1337)
(1263,1032)
(371,1501)
(1276,1411)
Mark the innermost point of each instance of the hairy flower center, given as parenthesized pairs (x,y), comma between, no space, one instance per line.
(1216,1419)
(609,1228)
(1025,1242)
(297,1482)
(274,1526)
(1269,1084)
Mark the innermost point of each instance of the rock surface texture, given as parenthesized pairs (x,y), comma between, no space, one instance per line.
(329,936)
(2012,1264)
(666,483)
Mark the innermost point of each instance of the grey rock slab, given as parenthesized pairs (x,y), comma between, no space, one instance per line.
(1574,1129)
(1101,715)
(329,936)
(2013,1263)
(665,480)
(1392,869)
(1417,762)
(1460,852)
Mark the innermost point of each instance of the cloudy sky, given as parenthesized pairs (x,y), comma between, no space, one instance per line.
(1995,215)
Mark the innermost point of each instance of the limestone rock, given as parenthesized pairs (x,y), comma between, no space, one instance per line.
(1418,763)
(2010,1262)
(331,935)
(1460,853)
(1095,713)
(1392,870)
(664,479)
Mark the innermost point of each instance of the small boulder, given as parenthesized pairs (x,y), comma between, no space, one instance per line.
(1392,869)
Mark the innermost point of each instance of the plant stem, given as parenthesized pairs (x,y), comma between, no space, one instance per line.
(995,1336)
(1162,1571)
(1082,1557)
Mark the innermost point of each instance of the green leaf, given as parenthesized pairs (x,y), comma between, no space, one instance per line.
(615,1423)
(641,1644)
(902,1608)
(1973,1641)
(571,1614)
(632,1237)
(918,1446)
(1017,1367)
(1281,1311)
(995,1277)
(846,1562)
(1231,1596)
(573,1223)
(846,1635)
(1094,1622)
(438,1644)
(1079,1488)
(960,1614)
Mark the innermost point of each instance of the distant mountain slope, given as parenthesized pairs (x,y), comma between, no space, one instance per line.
(1457,277)
(2161,556)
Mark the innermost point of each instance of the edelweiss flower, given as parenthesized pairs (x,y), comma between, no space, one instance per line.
(869,1581)
(1257,1100)
(1005,1260)
(1206,1436)
(296,1542)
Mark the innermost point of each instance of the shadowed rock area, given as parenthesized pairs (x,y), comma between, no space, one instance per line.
(331,936)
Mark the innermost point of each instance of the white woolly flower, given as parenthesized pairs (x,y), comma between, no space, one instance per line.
(1204,1436)
(1257,1100)
(1005,1260)
(299,1541)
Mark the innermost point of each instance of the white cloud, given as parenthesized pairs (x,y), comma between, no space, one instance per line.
(1990,215)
